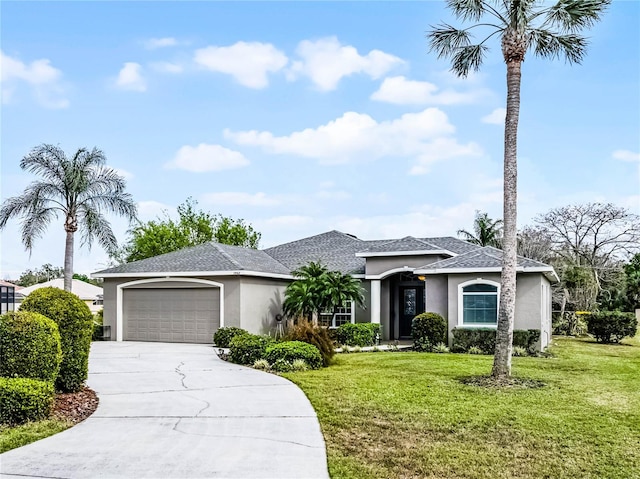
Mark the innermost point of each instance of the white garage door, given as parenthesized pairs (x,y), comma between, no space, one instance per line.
(177,315)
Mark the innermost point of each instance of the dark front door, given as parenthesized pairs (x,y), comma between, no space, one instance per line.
(411,304)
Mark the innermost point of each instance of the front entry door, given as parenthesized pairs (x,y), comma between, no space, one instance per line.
(411,304)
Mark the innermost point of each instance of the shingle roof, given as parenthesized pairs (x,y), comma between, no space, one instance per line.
(205,257)
(485,257)
(334,249)
(408,243)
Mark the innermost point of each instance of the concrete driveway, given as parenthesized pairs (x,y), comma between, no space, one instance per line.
(178,411)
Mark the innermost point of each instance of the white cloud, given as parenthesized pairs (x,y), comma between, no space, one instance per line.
(326,61)
(206,157)
(167,67)
(127,175)
(287,221)
(400,91)
(333,195)
(248,62)
(496,117)
(240,198)
(130,77)
(44,79)
(148,210)
(154,43)
(425,137)
(626,155)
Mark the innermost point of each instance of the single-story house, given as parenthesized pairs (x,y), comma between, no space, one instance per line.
(87,292)
(8,296)
(186,295)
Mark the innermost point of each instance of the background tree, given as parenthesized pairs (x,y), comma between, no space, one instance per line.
(86,279)
(81,189)
(522,25)
(46,272)
(316,290)
(486,232)
(193,227)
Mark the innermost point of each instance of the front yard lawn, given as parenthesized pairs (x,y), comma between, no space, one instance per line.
(407,415)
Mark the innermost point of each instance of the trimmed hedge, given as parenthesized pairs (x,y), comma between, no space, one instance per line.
(24,399)
(247,348)
(427,330)
(75,323)
(485,339)
(318,336)
(611,326)
(358,334)
(223,336)
(289,351)
(29,346)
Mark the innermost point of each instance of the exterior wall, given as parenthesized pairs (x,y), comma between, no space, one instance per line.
(530,312)
(260,300)
(363,315)
(381,264)
(385,309)
(437,295)
(231,297)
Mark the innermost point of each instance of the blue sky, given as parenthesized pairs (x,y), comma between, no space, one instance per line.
(301,117)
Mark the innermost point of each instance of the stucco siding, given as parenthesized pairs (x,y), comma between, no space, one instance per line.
(436,288)
(528,302)
(379,265)
(260,301)
(363,315)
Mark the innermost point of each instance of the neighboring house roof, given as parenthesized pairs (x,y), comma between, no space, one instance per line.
(204,258)
(336,250)
(482,259)
(7,283)
(86,291)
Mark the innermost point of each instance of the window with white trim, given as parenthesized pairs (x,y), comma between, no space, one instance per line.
(343,314)
(479,304)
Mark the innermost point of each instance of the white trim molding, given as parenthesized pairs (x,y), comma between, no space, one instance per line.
(375,301)
(131,284)
(402,269)
(182,274)
(461,287)
(427,252)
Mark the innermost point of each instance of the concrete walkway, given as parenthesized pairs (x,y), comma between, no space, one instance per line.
(178,411)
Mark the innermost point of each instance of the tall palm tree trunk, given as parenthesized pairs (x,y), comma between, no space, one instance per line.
(506,310)
(68,261)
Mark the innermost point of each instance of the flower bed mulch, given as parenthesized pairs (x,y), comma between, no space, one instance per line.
(75,407)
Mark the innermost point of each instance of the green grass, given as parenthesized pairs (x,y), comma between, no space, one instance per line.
(12,437)
(407,415)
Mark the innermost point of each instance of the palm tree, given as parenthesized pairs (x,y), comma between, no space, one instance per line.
(523,25)
(81,189)
(340,288)
(486,232)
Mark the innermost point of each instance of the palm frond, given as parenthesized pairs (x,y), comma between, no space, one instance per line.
(46,161)
(95,226)
(445,40)
(548,44)
(575,15)
(35,224)
(467,9)
(468,58)
(520,13)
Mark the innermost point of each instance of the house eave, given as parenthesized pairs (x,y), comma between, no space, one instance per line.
(497,269)
(180,274)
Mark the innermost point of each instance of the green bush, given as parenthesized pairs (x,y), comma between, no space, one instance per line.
(289,351)
(75,323)
(318,336)
(569,324)
(611,326)
(248,348)
(29,346)
(358,334)
(223,336)
(24,399)
(428,329)
(485,339)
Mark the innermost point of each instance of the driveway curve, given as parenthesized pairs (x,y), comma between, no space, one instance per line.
(178,411)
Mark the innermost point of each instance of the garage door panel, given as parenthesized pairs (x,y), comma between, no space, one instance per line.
(171,315)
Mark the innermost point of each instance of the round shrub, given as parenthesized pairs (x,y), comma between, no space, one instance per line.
(223,336)
(611,326)
(24,399)
(289,351)
(29,346)
(358,334)
(75,323)
(248,348)
(307,332)
(428,329)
